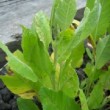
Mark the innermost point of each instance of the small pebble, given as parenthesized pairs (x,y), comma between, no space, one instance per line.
(13,104)
(4,106)
(1,84)
(6,94)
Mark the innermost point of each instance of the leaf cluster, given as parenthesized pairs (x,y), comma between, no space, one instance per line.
(53,76)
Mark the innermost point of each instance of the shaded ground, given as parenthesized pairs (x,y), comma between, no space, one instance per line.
(15,12)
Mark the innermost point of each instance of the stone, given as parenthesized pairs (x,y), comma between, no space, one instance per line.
(4,106)
(13,104)
(6,94)
(1,84)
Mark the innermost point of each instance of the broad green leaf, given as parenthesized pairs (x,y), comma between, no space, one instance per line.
(83,100)
(96,97)
(65,12)
(86,27)
(18,66)
(69,81)
(77,56)
(18,86)
(26,104)
(41,25)
(88,24)
(104,20)
(103,52)
(36,56)
(52,100)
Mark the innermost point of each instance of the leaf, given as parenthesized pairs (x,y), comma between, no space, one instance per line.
(92,73)
(26,104)
(86,27)
(89,22)
(53,22)
(35,86)
(24,70)
(19,87)
(69,82)
(96,96)
(90,3)
(52,18)
(108,30)
(63,41)
(42,28)
(83,100)
(65,12)
(104,19)
(19,55)
(102,52)
(36,56)
(77,56)
(52,100)
(104,80)
(30,45)
(90,55)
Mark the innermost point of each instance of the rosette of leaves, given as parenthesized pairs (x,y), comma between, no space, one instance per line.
(53,78)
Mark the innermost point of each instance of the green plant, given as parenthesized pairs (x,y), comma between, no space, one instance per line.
(53,78)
